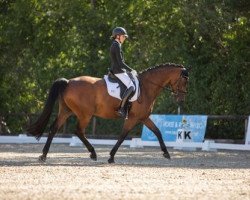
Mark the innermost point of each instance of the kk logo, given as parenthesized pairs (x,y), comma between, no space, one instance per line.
(184,135)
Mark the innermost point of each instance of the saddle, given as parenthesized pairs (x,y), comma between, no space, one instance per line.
(116,88)
(113,79)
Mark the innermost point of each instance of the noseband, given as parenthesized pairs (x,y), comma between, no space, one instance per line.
(184,74)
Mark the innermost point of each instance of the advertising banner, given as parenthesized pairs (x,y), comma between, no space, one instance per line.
(174,127)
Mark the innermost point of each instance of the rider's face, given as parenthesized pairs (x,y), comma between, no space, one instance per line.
(122,38)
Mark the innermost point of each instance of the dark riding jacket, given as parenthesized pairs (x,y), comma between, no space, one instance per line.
(117,60)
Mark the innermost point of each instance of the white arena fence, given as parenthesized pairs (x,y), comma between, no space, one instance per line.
(207,145)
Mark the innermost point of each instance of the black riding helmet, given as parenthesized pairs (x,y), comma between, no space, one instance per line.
(119,31)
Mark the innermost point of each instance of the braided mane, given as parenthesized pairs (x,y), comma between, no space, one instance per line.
(162,66)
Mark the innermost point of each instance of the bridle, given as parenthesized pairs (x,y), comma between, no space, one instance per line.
(178,90)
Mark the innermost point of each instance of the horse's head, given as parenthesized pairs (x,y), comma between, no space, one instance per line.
(167,75)
(179,85)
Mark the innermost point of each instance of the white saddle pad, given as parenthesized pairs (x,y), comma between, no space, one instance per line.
(114,89)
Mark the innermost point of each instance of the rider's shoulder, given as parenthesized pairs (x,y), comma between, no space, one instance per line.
(115,45)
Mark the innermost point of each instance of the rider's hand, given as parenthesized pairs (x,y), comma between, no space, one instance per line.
(134,73)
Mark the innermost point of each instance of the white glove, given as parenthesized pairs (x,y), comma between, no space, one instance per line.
(134,73)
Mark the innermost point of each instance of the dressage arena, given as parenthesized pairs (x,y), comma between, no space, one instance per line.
(69,173)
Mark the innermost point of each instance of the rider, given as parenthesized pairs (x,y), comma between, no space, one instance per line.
(119,68)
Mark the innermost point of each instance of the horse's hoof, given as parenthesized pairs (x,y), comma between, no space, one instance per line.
(93,156)
(111,160)
(42,158)
(166,155)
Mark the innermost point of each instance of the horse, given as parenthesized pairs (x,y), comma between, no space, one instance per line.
(87,96)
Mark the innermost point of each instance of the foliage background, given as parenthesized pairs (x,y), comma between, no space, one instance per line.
(43,40)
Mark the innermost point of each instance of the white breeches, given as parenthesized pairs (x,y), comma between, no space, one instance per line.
(125,79)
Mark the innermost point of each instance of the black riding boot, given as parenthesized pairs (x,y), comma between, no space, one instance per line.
(122,111)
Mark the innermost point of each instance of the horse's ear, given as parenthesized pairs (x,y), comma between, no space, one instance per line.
(189,68)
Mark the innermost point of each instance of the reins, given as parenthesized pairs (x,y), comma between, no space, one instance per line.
(170,89)
(163,87)
(183,74)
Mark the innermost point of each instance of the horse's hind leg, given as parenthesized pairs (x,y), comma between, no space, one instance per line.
(80,132)
(64,113)
(150,124)
(52,132)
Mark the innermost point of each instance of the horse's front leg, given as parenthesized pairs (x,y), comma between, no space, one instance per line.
(128,125)
(151,126)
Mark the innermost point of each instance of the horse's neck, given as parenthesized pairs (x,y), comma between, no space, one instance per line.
(160,77)
(154,81)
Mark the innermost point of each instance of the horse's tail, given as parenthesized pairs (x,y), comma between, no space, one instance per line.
(56,89)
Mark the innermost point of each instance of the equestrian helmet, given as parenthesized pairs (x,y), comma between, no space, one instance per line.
(119,31)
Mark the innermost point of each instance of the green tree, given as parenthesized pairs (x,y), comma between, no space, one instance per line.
(41,41)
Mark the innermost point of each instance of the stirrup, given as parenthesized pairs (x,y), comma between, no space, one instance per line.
(122,113)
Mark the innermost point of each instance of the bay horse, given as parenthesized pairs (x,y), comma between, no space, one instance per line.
(87,96)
